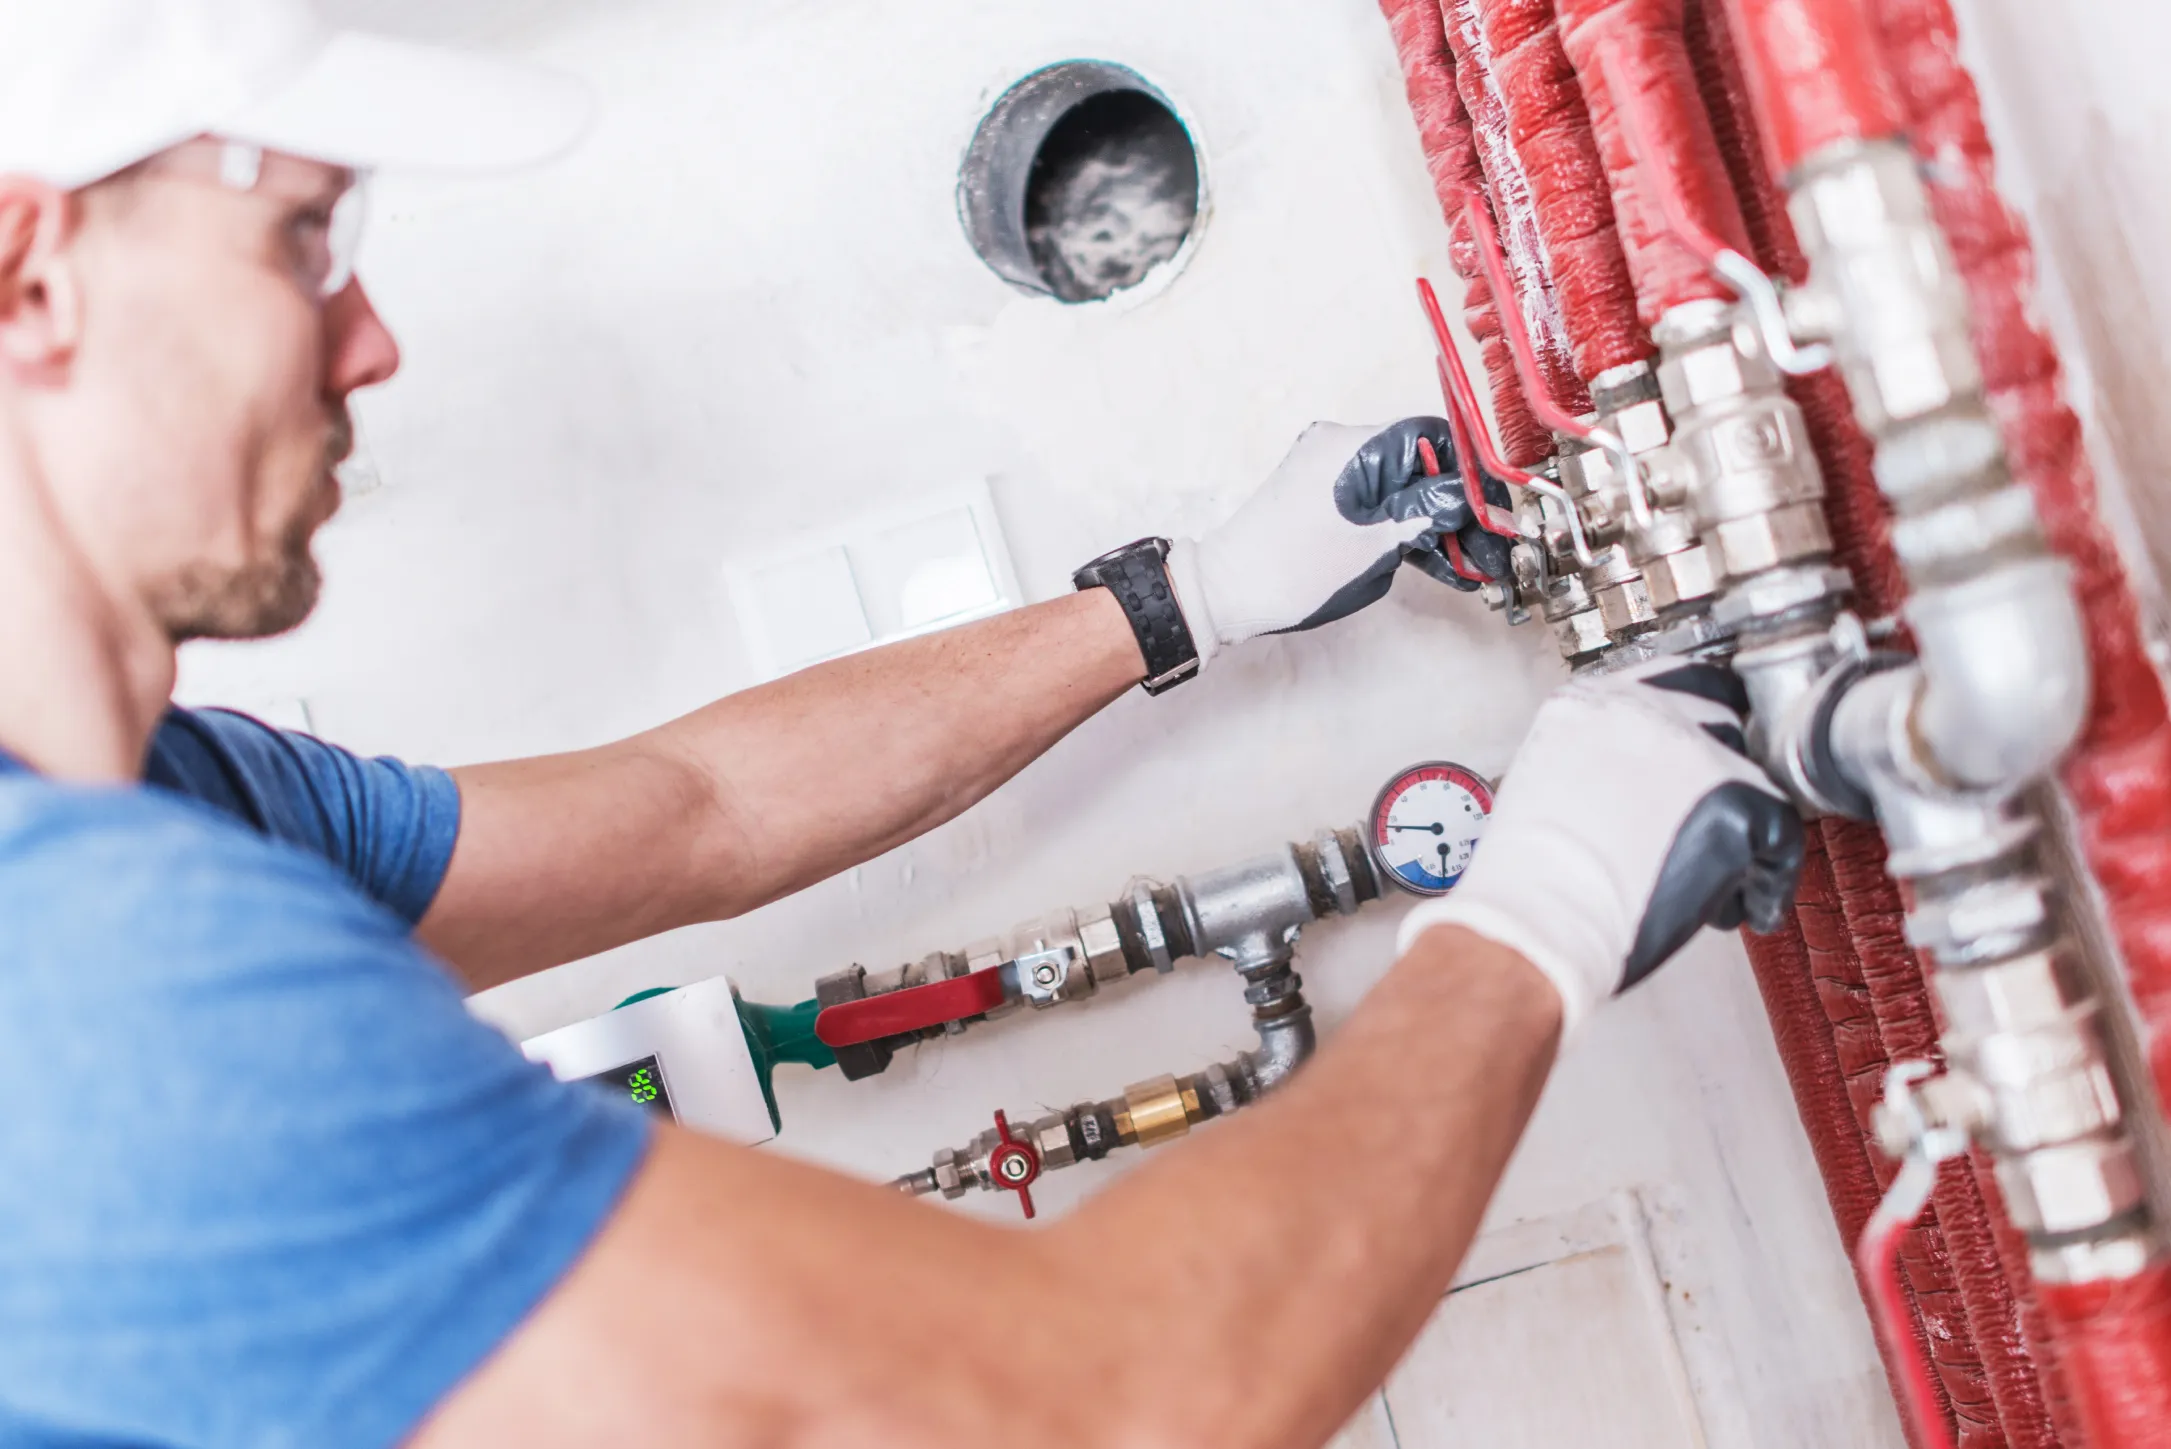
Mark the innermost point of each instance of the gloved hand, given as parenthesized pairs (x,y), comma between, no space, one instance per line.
(1631,817)
(1324,534)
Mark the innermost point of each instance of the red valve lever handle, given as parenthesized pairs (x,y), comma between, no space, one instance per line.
(1448,542)
(1012,1150)
(915,1008)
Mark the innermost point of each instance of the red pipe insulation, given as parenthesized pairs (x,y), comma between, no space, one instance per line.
(2114,1337)
(1881,1010)
(1514,216)
(1809,990)
(1443,130)
(1550,130)
(2125,1396)
(2120,777)
(1816,76)
(1988,1256)
(1630,53)
(2008,1398)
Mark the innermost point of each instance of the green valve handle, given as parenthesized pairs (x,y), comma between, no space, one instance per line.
(773,1034)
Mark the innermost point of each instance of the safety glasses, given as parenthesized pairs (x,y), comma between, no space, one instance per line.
(321,236)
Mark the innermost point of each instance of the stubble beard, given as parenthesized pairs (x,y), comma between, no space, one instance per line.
(266,596)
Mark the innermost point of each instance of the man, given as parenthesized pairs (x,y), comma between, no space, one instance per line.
(265,1182)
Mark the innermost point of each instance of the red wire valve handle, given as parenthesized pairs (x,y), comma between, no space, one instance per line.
(915,1008)
(1449,544)
(1877,1255)
(1542,406)
(1014,1164)
(1467,423)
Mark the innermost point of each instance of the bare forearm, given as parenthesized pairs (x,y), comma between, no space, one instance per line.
(1336,1216)
(766,791)
(897,739)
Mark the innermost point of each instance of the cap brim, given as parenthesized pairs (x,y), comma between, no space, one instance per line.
(373,102)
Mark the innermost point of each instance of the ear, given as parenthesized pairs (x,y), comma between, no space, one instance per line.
(40,298)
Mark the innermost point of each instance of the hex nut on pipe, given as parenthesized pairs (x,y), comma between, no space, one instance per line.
(2072,1188)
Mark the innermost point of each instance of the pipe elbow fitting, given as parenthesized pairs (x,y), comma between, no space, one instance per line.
(2004,674)
(1285,1043)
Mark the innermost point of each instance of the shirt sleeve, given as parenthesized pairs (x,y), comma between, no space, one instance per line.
(265,1181)
(387,825)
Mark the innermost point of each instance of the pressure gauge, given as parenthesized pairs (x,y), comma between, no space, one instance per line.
(1425,825)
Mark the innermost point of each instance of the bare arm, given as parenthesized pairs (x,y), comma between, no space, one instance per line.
(766,791)
(1246,1289)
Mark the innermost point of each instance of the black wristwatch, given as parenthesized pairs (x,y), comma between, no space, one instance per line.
(1137,574)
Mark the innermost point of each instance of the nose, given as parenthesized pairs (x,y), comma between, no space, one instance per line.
(359,349)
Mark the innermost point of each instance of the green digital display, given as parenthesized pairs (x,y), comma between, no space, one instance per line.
(642,1083)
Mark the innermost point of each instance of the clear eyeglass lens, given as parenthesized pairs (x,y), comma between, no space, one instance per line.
(343,237)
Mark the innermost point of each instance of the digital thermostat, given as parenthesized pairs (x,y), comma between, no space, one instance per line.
(1425,826)
(679,1053)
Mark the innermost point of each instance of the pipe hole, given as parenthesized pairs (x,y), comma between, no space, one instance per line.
(1080,182)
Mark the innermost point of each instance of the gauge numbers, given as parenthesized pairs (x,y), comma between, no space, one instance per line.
(1426,824)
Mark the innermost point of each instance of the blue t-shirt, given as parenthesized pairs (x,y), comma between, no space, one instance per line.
(264,1182)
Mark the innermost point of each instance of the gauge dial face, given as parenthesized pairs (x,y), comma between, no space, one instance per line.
(1425,825)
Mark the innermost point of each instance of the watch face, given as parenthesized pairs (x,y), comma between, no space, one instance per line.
(1425,826)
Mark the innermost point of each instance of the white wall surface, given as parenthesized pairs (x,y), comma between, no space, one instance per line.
(745,306)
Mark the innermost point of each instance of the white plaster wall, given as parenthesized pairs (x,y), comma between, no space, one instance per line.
(746,304)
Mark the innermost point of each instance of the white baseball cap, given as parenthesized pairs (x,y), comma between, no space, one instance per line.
(88,87)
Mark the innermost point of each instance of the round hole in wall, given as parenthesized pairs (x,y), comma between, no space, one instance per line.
(1080,182)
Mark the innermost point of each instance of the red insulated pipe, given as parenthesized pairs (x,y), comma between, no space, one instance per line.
(1508,186)
(1789,976)
(1443,130)
(1646,114)
(2006,1320)
(2124,1391)
(1551,130)
(1849,1002)
(2120,777)
(2114,1338)
(2008,1398)
(1816,74)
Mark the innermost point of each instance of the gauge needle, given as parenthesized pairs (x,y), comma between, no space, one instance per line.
(1436,828)
(1443,860)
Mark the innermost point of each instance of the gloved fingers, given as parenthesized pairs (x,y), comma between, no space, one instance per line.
(1687,691)
(1437,500)
(1729,862)
(1374,485)
(1775,869)
(1487,552)
(1433,563)
(1712,683)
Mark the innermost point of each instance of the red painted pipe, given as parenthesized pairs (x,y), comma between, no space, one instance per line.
(2114,1338)
(1816,75)
(1551,131)
(1443,130)
(1646,114)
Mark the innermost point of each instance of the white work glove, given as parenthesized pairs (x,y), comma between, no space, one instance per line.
(1630,818)
(1324,534)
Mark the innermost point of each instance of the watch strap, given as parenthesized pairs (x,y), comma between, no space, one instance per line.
(1137,574)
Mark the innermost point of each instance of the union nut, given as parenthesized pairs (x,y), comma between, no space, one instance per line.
(2073,1188)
